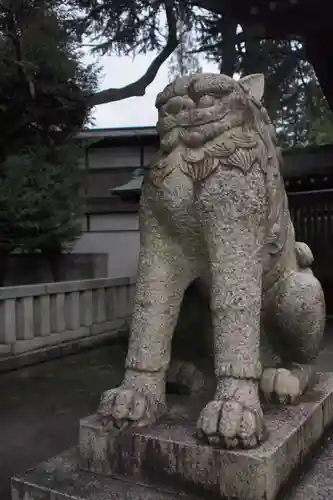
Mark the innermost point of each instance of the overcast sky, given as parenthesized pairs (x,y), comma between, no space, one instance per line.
(136,111)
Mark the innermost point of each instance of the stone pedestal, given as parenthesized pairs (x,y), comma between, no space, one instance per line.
(159,462)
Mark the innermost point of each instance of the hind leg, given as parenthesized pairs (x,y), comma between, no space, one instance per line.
(294,316)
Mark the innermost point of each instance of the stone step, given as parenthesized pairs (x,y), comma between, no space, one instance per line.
(61,479)
(168,452)
(316,483)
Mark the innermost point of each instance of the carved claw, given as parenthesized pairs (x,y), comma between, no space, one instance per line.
(280,385)
(231,424)
(122,407)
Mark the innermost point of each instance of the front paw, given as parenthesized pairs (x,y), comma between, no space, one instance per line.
(231,424)
(140,400)
(120,407)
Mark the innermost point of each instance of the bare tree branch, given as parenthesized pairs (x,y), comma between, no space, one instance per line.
(138,88)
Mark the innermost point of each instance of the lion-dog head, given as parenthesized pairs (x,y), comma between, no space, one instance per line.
(210,119)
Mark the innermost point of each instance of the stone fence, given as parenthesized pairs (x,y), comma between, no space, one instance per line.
(44,315)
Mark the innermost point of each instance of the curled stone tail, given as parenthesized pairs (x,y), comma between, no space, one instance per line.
(304,255)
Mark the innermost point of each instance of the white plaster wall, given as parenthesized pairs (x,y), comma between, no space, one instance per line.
(114,222)
(115,234)
(118,236)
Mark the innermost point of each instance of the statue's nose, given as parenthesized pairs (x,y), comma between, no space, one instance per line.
(206,101)
(177,103)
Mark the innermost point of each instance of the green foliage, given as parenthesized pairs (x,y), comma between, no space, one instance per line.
(293,97)
(306,118)
(43,103)
(40,200)
(40,65)
(182,61)
(122,27)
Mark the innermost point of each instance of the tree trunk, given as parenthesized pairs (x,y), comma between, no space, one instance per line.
(252,63)
(4,256)
(229,58)
(53,258)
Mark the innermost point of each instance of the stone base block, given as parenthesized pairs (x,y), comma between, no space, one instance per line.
(168,453)
(61,479)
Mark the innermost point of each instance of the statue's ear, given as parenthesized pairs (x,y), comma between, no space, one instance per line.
(254,84)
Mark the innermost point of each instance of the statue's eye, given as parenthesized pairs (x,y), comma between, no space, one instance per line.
(206,101)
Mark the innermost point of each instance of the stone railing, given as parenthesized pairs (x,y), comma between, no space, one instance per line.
(37,316)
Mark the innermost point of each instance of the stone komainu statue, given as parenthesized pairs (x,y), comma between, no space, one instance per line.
(214,207)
